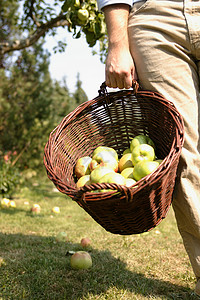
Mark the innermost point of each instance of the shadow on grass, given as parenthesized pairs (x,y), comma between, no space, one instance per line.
(35,267)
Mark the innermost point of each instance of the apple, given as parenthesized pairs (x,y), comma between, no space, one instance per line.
(141,139)
(159,161)
(130,182)
(56,210)
(128,150)
(105,148)
(82,166)
(144,168)
(125,162)
(143,152)
(128,172)
(104,158)
(81,260)
(83,180)
(83,14)
(36,209)
(113,177)
(5,203)
(99,172)
(62,237)
(12,204)
(85,242)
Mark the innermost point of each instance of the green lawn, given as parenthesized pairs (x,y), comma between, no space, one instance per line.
(33,265)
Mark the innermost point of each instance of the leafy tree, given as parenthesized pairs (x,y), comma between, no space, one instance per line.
(79,94)
(40,18)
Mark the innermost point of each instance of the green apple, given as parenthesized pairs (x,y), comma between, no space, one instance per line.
(130,182)
(56,210)
(81,260)
(82,166)
(142,152)
(105,159)
(105,148)
(144,168)
(12,204)
(125,162)
(83,14)
(99,172)
(141,139)
(85,179)
(5,203)
(128,172)
(62,237)
(128,150)
(113,177)
(159,161)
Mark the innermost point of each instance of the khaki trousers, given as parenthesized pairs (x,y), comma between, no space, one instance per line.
(165,45)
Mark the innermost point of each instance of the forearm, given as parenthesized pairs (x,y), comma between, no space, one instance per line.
(120,69)
(116,17)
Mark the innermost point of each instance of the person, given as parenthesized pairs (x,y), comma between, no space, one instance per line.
(157,42)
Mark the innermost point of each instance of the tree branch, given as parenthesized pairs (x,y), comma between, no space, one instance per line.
(6,47)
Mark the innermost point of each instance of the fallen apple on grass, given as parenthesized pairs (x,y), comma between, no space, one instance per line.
(85,242)
(56,210)
(62,237)
(12,204)
(5,203)
(81,260)
(36,209)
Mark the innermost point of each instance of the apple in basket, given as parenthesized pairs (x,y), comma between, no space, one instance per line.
(128,172)
(130,182)
(141,139)
(83,180)
(105,148)
(142,152)
(144,168)
(112,177)
(99,172)
(104,158)
(82,166)
(125,162)
(81,260)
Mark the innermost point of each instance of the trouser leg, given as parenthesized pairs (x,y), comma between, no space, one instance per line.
(167,62)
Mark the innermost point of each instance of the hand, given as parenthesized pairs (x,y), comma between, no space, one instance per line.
(120,68)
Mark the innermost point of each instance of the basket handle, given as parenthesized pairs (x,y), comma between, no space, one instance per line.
(103,90)
(116,188)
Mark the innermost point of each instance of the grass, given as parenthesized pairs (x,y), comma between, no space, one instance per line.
(33,265)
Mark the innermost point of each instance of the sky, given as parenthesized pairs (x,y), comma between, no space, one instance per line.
(77,58)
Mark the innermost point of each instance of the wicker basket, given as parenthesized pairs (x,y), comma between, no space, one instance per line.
(113,119)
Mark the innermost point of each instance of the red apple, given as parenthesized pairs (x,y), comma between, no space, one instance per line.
(81,260)
(85,242)
(36,209)
(82,166)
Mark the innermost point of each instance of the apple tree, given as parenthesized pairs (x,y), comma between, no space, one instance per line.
(34,19)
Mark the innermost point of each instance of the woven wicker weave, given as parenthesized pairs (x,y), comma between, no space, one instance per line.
(113,119)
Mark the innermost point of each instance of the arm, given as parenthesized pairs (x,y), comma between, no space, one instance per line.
(120,69)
